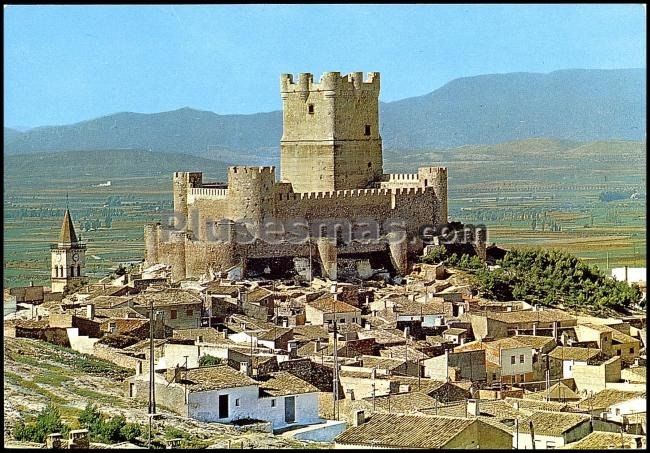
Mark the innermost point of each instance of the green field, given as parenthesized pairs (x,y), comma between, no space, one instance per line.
(530,193)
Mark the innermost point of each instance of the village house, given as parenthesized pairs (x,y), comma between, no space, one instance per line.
(177,308)
(602,440)
(224,395)
(610,341)
(430,432)
(567,357)
(514,358)
(605,403)
(322,310)
(551,430)
(457,365)
(547,322)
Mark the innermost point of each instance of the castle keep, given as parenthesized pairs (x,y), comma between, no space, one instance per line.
(331,169)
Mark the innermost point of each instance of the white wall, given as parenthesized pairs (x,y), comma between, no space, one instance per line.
(174,354)
(306,410)
(632,406)
(81,343)
(508,369)
(429,320)
(567,367)
(204,406)
(634,274)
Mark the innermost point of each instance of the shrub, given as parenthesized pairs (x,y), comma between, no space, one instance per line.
(48,421)
(209,360)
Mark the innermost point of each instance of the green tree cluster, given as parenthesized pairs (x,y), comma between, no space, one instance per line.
(209,360)
(47,422)
(547,277)
(107,430)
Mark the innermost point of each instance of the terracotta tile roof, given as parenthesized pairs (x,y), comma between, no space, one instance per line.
(402,403)
(207,334)
(571,353)
(547,315)
(549,423)
(167,297)
(215,378)
(109,301)
(274,334)
(383,336)
(284,383)
(454,331)
(405,431)
(422,385)
(258,294)
(602,440)
(407,307)
(536,404)
(403,353)
(221,289)
(556,392)
(117,313)
(326,305)
(310,332)
(534,341)
(606,398)
(382,363)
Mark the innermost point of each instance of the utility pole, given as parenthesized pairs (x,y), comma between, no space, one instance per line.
(152,382)
(336,363)
(532,433)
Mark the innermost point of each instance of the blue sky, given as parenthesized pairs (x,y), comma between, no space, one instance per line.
(64,64)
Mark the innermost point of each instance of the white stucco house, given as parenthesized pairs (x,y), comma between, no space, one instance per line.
(224,395)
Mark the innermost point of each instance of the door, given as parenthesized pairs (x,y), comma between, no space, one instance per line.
(290,409)
(223,406)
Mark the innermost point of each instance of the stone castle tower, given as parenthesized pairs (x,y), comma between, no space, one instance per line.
(68,257)
(330,138)
(331,172)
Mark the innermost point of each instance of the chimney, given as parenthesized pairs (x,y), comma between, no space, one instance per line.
(224,334)
(90,312)
(534,328)
(555,328)
(373,373)
(359,418)
(138,367)
(285,323)
(515,405)
(473,408)
(317,346)
(31,283)
(367,326)
(407,331)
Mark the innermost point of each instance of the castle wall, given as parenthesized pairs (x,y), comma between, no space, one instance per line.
(151,240)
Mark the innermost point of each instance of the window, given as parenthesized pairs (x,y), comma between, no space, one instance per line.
(112,327)
(342,320)
(494,376)
(631,350)
(237,402)
(618,411)
(190,312)
(367,132)
(272,403)
(173,314)
(369,164)
(310,108)
(512,360)
(521,358)
(618,352)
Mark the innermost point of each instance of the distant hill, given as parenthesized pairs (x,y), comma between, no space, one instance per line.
(580,105)
(10,135)
(106,164)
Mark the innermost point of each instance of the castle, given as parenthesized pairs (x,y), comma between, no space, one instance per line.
(331,171)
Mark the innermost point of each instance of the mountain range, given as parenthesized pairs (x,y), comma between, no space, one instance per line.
(576,104)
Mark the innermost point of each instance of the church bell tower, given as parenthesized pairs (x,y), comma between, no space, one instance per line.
(68,257)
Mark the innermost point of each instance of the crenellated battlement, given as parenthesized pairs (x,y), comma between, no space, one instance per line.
(403,177)
(352,193)
(206,193)
(329,81)
(252,170)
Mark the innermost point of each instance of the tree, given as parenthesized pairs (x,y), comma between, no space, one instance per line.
(47,422)
(209,360)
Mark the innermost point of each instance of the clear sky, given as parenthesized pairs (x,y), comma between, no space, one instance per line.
(64,64)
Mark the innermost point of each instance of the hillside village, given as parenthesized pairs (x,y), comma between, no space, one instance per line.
(422,364)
